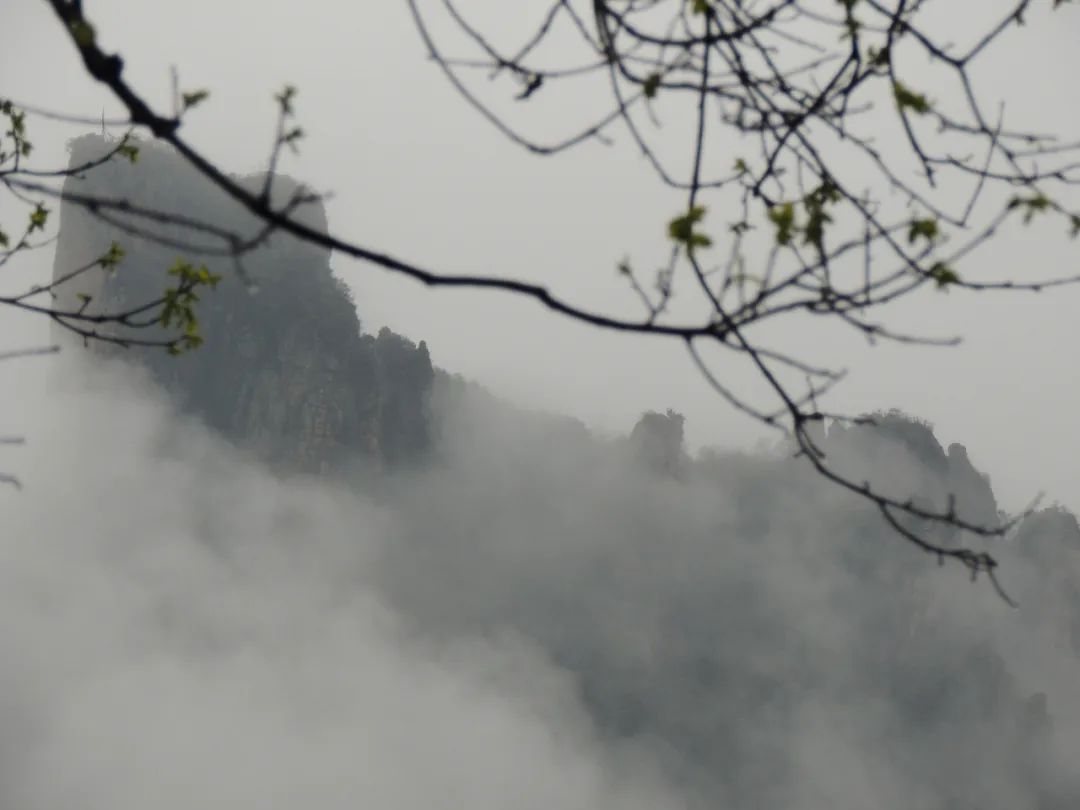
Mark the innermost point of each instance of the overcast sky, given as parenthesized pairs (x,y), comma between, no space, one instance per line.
(416,172)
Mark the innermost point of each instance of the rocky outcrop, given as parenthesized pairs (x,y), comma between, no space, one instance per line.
(1049,540)
(903,457)
(971,487)
(657,439)
(285,371)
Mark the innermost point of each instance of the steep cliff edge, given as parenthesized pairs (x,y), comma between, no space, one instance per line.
(286,371)
(915,462)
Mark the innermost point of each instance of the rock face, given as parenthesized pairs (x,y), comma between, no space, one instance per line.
(1049,540)
(657,439)
(917,462)
(286,371)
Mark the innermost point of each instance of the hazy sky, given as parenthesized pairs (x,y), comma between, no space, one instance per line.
(416,172)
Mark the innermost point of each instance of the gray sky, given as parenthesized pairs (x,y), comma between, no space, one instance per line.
(414,171)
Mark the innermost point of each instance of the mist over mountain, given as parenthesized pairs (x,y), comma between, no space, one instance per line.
(303,567)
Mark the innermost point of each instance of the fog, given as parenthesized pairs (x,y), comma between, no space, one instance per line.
(539,612)
(180,629)
(535,618)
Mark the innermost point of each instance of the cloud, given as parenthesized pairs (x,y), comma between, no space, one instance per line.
(182,629)
(536,618)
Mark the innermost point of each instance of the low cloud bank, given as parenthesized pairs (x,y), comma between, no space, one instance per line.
(537,618)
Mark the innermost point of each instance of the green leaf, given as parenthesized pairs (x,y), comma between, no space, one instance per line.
(816,215)
(3,239)
(924,228)
(700,6)
(1038,203)
(38,217)
(128,151)
(194,98)
(681,229)
(943,275)
(907,99)
(740,166)
(878,58)
(178,304)
(814,232)
(112,257)
(783,217)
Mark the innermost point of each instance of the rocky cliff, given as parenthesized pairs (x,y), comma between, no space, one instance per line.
(917,462)
(286,371)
